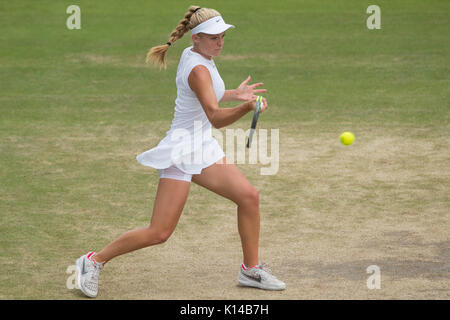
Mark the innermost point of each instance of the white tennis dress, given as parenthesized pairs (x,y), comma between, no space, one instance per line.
(189,144)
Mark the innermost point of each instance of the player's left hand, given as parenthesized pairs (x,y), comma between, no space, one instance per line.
(247,92)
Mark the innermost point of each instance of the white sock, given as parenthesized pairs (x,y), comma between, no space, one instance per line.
(245,267)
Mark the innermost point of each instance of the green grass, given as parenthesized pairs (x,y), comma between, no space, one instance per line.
(77,106)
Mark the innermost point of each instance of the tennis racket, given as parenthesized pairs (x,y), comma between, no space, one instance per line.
(259,104)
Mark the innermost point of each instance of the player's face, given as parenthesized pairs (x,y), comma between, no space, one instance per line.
(209,45)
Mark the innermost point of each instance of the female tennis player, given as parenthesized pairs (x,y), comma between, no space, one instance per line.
(190,153)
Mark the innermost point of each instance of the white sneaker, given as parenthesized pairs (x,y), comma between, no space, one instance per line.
(88,271)
(260,276)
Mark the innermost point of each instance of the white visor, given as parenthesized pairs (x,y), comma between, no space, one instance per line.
(214,25)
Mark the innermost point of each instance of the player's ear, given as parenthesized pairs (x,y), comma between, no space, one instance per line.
(195,38)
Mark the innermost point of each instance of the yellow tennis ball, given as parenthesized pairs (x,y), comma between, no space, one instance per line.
(347,138)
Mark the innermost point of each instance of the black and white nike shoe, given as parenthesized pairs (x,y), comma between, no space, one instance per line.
(259,276)
(88,271)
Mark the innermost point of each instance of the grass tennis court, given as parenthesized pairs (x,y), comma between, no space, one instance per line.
(77,106)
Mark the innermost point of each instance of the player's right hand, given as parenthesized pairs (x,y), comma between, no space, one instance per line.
(252,104)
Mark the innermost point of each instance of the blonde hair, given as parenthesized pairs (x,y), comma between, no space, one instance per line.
(192,18)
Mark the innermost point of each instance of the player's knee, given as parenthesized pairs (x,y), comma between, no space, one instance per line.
(163,236)
(250,197)
(254,197)
(157,236)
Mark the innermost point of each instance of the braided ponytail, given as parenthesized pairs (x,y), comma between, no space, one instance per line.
(193,17)
(157,55)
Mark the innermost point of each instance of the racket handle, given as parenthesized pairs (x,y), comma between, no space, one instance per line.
(250,136)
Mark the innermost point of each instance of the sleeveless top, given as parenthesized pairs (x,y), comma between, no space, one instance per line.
(189,144)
